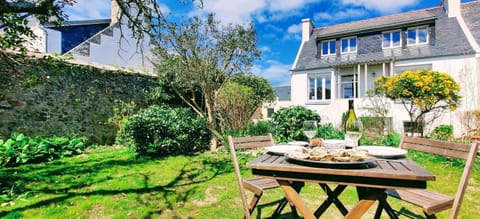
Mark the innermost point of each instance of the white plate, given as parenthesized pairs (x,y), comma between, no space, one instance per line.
(281,149)
(299,143)
(384,151)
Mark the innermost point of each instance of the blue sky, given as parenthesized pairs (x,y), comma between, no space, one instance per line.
(277,22)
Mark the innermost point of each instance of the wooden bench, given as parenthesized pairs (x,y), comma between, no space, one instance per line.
(430,201)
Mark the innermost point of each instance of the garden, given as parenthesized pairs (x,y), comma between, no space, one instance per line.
(78,141)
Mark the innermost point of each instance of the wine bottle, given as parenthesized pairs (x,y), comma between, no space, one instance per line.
(353,127)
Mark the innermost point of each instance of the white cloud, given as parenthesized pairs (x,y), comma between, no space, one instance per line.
(295,28)
(241,11)
(390,6)
(277,73)
(85,10)
(233,11)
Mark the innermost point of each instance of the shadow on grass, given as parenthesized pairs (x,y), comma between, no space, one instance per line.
(81,174)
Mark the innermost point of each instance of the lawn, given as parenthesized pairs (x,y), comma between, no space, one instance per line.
(113,183)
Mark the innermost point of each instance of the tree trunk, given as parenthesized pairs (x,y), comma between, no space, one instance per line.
(211,124)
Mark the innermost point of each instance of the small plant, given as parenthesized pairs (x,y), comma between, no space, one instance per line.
(392,139)
(159,131)
(327,131)
(442,132)
(259,128)
(21,149)
(289,122)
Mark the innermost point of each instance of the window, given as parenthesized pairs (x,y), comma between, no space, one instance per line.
(349,45)
(270,112)
(319,87)
(348,87)
(416,36)
(391,39)
(328,47)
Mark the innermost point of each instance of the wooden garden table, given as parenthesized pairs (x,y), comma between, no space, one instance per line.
(370,182)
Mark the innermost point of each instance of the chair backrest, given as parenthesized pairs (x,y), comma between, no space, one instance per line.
(246,143)
(447,149)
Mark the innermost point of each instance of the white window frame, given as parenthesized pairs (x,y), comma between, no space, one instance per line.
(329,53)
(391,39)
(417,36)
(324,77)
(348,45)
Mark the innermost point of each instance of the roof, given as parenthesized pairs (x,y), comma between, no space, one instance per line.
(283,93)
(76,32)
(369,25)
(448,38)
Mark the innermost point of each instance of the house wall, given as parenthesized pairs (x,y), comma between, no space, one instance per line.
(115,52)
(53,41)
(464,69)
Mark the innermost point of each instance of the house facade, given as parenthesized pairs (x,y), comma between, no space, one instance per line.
(100,42)
(340,62)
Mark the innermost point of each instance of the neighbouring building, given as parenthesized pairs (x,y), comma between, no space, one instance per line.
(100,42)
(340,62)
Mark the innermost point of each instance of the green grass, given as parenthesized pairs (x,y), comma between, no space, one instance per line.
(113,183)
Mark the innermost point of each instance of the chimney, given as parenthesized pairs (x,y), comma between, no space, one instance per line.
(116,12)
(307,27)
(452,7)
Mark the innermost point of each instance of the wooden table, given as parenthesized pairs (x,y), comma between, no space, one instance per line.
(370,183)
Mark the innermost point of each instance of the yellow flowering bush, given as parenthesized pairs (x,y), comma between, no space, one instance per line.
(423,91)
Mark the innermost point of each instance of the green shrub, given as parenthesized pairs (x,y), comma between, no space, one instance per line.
(21,149)
(392,139)
(327,131)
(259,128)
(442,132)
(289,122)
(160,131)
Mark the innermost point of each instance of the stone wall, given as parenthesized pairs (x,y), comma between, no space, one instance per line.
(47,97)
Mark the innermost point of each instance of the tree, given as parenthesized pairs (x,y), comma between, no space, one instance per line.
(197,57)
(421,92)
(241,98)
(13,19)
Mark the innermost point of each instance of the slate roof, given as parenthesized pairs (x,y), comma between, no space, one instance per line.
(76,32)
(446,38)
(283,93)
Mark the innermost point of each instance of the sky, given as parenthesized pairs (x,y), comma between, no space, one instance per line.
(277,22)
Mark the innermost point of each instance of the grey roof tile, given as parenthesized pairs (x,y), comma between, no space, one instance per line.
(283,93)
(446,38)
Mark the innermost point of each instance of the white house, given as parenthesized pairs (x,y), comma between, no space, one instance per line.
(101,42)
(340,62)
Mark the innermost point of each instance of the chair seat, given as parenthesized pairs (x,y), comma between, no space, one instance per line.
(258,184)
(430,201)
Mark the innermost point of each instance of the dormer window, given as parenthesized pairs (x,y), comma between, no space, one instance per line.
(328,47)
(392,39)
(349,45)
(417,36)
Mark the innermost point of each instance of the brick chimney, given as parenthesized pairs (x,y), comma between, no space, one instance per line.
(307,27)
(115,16)
(452,7)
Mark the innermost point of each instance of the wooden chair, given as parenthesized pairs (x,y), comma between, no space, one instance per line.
(430,201)
(256,185)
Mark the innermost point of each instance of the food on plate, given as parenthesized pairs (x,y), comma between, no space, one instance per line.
(316,142)
(333,155)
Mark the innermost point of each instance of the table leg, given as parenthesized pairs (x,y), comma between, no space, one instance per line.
(367,196)
(297,186)
(294,198)
(332,198)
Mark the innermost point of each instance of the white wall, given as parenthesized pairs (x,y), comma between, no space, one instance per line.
(119,53)
(465,70)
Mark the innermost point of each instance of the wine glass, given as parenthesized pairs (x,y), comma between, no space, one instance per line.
(353,131)
(310,129)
